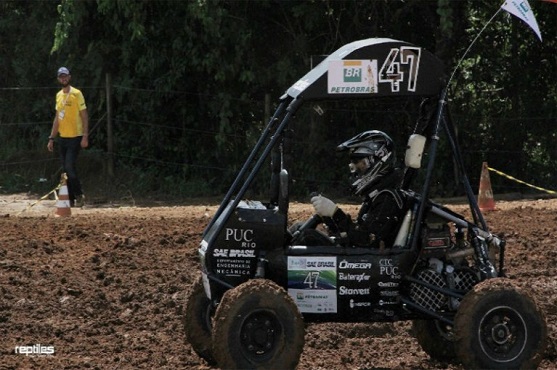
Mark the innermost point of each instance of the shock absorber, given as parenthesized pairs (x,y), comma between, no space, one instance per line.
(449,274)
(487,270)
(261,263)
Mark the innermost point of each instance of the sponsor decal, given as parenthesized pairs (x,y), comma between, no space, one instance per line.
(354,277)
(321,264)
(234,253)
(297,263)
(387,284)
(392,72)
(352,77)
(301,85)
(243,236)
(240,264)
(351,291)
(386,303)
(312,283)
(312,263)
(387,267)
(315,296)
(399,72)
(384,312)
(321,301)
(237,267)
(354,304)
(389,293)
(354,265)
(437,243)
(232,272)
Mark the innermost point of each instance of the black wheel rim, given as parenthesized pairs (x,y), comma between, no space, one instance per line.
(259,335)
(503,334)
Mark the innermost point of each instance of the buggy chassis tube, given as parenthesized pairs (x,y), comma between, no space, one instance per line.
(429,174)
(244,168)
(476,212)
(219,281)
(451,293)
(463,223)
(459,221)
(442,119)
(419,308)
(292,108)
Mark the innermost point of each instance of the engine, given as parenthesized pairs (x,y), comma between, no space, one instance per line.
(441,275)
(444,265)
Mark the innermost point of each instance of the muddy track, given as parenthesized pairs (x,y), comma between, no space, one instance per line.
(106,288)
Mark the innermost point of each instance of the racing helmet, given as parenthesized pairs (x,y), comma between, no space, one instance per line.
(372,156)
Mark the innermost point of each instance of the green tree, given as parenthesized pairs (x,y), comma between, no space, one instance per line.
(190,80)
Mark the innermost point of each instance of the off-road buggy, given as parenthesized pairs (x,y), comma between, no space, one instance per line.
(258,287)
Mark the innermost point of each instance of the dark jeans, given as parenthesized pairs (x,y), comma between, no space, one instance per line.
(69,150)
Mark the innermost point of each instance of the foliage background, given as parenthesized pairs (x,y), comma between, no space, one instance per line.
(194,82)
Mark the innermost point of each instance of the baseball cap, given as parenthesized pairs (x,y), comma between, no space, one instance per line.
(63,71)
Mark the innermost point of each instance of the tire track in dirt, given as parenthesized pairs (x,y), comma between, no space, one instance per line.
(106,288)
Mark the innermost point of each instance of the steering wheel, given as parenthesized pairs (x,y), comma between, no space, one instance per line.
(311,223)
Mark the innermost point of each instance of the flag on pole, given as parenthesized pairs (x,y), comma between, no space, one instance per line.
(522,10)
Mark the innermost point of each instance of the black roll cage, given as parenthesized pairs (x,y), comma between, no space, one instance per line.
(316,85)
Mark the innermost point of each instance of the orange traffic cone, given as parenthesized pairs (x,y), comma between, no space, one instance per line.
(63,208)
(485,194)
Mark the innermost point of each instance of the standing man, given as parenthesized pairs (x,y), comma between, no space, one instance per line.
(72,123)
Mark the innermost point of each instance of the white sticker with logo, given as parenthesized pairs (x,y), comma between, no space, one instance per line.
(352,77)
(398,73)
(312,283)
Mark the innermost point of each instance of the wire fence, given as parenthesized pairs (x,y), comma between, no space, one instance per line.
(40,122)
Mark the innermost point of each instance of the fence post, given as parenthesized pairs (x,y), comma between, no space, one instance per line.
(109,137)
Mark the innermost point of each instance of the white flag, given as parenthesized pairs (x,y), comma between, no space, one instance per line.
(522,10)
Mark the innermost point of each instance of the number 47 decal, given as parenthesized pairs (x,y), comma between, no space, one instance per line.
(311,279)
(391,71)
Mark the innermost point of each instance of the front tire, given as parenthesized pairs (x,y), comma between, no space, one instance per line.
(497,326)
(197,322)
(257,326)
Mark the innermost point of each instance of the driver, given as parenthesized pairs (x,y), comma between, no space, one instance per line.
(377,181)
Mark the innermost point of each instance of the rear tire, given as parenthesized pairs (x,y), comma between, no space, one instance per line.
(197,322)
(498,326)
(257,326)
(435,338)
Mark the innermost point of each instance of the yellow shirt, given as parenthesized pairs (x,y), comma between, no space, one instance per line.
(68,107)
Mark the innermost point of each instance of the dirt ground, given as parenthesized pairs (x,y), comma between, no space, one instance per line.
(106,288)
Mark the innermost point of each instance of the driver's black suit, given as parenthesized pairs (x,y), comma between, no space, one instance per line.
(378,220)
